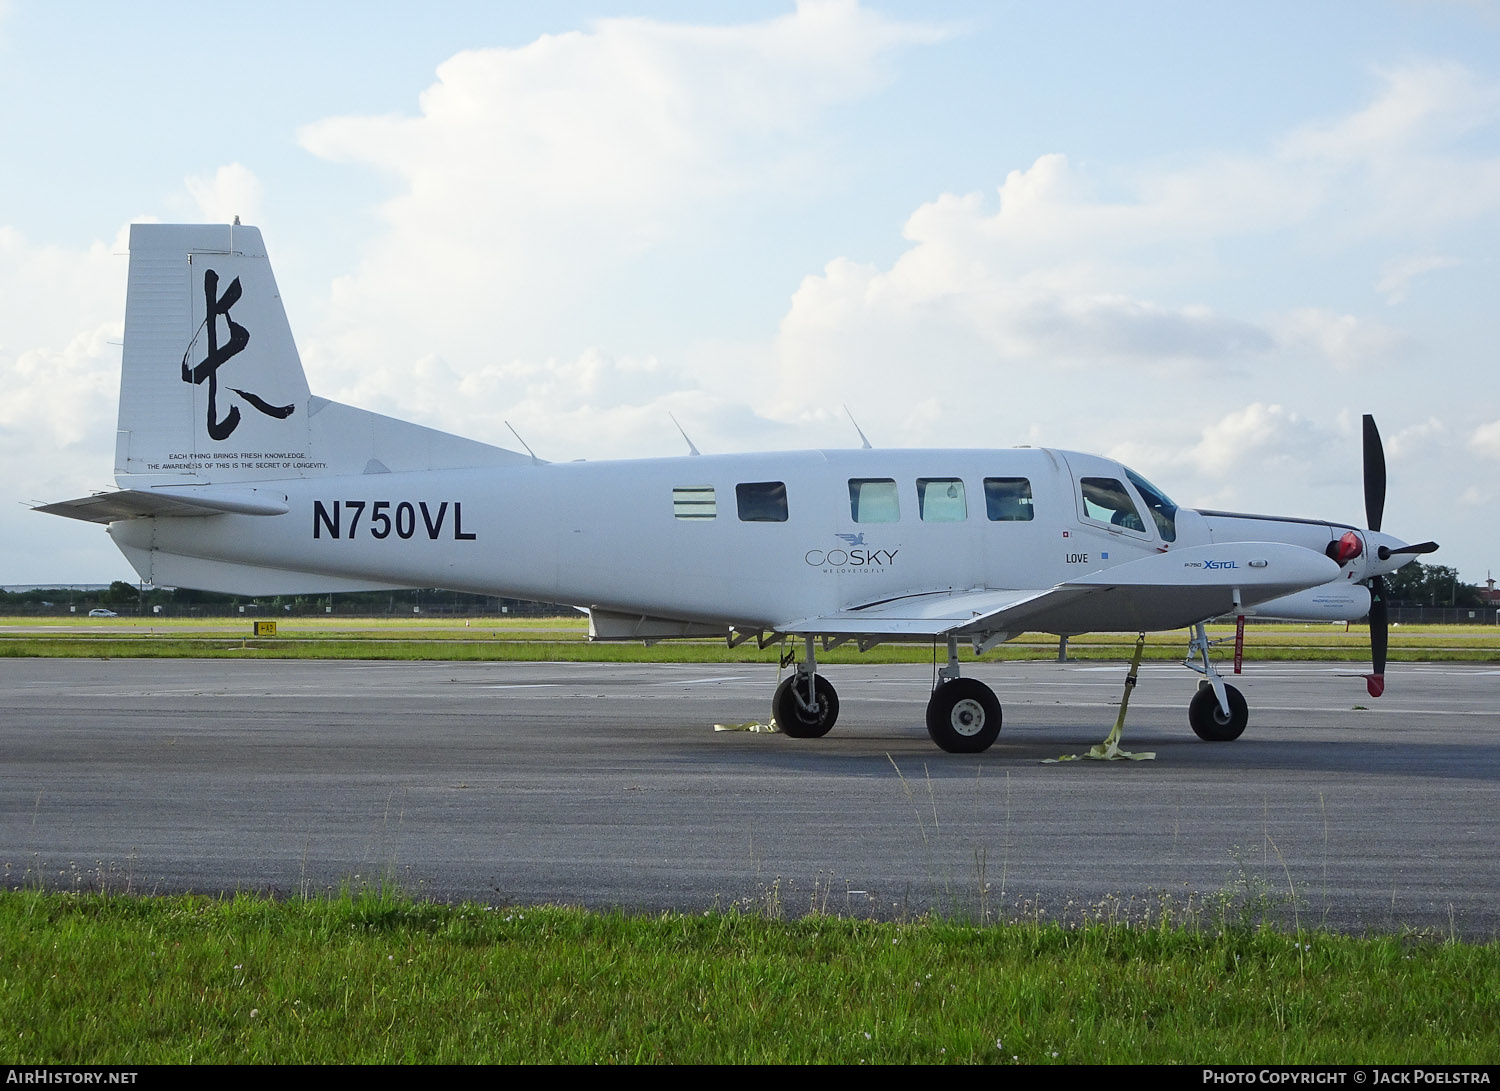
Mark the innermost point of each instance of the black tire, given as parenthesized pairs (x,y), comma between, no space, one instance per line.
(794,720)
(1208,719)
(963,716)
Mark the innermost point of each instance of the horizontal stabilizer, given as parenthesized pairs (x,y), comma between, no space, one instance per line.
(176,500)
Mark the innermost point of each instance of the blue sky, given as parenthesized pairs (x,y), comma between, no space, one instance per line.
(1202,238)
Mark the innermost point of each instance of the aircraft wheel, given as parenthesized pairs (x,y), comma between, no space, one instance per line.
(1208,720)
(963,716)
(798,722)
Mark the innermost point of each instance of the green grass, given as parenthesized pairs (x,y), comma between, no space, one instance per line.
(109,979)
(565,640)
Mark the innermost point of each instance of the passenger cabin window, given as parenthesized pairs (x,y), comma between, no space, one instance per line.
(694,502)
(761,501)
(1008,499)
(1162,510)
(941,500)
(1106,500)
(873,500)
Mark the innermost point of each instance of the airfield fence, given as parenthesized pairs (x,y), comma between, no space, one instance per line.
(1446,615)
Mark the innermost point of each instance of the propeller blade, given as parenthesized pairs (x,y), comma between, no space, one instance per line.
(1379,636)
(1385,553)
(1374,475)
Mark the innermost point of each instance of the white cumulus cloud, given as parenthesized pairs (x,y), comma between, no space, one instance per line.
(532,176)
(1486,440)
(232,190)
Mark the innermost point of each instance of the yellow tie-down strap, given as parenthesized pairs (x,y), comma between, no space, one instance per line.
(753,726)
(1109,749)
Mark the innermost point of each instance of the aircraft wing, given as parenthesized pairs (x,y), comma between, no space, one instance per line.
(1164,591)
(178,500)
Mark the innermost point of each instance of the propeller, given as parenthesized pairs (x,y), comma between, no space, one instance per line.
(1374,452)
(1385,553)
(1374,455)
(1379,637)
(1374,475)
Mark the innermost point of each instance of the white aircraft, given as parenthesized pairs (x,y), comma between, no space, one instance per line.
(234,477)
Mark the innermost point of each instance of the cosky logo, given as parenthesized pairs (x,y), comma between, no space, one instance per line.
(853,557)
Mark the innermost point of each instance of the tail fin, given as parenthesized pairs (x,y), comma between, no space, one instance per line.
(212,386)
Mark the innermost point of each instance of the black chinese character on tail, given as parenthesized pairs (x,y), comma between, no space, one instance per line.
(208,367)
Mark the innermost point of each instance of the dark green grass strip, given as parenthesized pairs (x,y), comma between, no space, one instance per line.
(372,978)
(577,651)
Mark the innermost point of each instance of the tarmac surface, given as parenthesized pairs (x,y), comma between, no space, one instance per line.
(606,785)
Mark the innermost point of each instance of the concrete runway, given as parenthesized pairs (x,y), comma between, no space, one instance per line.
(606,785)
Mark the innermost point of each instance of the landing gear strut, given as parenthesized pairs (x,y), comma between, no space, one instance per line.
(1217,712)
(963,714)
(805,705)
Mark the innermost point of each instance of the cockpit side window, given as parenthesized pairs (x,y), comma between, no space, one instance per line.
(1163,511)
(1106,500)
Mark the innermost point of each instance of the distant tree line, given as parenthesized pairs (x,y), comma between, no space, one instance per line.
(1419,584)
(126,599)
(1415,584)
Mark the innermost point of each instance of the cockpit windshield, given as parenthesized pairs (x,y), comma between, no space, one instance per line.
(1162,509)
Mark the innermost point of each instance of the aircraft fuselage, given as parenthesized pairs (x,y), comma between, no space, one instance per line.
(682,538)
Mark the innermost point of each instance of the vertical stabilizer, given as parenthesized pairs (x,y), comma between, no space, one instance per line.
(211,384)
(212,387)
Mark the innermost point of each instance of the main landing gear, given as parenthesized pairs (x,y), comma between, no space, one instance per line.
(805,705)
(963,714)
(1217,712)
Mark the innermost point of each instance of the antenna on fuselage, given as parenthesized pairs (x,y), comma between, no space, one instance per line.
(862,441)
(692,450)
(535,461)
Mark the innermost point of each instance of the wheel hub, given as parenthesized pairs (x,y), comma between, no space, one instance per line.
(968,717)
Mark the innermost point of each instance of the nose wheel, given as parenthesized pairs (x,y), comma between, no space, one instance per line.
(1209,720)
(1217,712)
